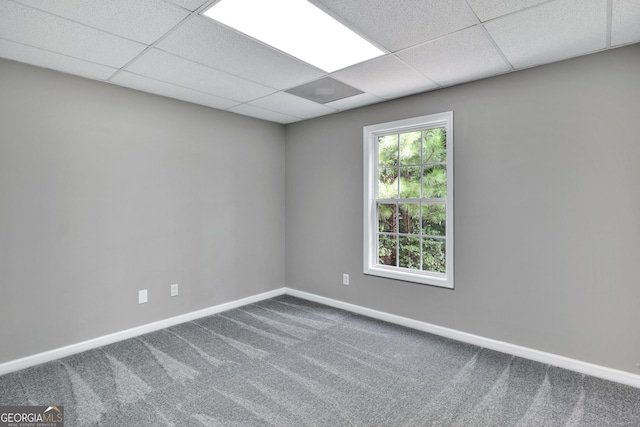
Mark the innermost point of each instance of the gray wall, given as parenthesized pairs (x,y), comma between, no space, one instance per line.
(547,199)
(105,191)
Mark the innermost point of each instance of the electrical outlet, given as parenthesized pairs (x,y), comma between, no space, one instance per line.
(174,290)
(142,296)
(638,365)
(345,279)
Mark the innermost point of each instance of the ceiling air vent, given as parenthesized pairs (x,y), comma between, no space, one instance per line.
(324,90)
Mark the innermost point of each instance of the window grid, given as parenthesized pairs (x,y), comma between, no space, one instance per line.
(397,235)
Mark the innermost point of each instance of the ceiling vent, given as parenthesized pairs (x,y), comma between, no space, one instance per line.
(324,90)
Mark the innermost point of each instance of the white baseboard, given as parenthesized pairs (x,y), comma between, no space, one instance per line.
(503,347)
(48,356)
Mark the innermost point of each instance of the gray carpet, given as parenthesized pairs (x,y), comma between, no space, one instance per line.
(290,362)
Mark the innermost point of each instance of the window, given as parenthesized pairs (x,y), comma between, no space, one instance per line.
(408,202)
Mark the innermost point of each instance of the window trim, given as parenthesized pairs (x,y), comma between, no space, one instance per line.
(370,225)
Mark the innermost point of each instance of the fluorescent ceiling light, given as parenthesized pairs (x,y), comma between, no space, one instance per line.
(298,28)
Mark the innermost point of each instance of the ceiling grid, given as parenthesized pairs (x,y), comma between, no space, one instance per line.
(168,48)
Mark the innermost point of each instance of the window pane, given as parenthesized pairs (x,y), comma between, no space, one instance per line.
(433,255)
(388,150)
(387,217)
(410,252)
(409,219)
(387,183)
(410,182)
(387,250)
(434,147)
(433,219)
(410,144)
(434,182)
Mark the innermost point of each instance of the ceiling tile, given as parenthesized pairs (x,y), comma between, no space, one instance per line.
(54,61)
(625,25)
(399,25)
(551,32)
(261,113)
(386,77)
(189,4)
(205,41)
(354,101)
(460,57)
(121,17)
(146,84)
(292,105)
(489,9)
(171,69)
(39,29)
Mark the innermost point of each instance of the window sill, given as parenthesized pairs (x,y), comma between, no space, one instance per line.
(409,276)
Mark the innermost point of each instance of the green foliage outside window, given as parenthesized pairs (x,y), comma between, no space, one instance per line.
(412,181)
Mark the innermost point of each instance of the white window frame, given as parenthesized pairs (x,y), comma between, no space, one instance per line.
(370,249)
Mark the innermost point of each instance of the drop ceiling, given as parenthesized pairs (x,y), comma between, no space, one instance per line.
(168,48)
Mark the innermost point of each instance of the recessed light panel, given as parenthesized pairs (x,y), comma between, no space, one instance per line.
(298,28)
